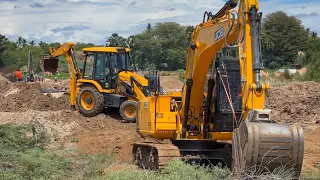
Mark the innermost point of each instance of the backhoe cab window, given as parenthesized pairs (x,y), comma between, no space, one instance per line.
(100,66)
(129,63)
(123,61)
(113,62)
(88,66)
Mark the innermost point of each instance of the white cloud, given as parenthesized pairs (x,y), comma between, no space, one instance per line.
(123,16)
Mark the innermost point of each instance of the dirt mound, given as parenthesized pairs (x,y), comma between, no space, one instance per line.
(5,84)
(23,96)
(58,124)
(171,83)
(295,103)
(311,151)
(263,73)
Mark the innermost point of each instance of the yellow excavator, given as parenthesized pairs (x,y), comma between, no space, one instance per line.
(228,124)
(106,80)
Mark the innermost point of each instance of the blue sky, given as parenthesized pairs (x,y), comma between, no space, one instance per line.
(95,20)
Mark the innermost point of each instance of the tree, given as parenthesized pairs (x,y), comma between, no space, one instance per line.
(3,46)
(149,27)
(115,40)
(189,31)
(79,46)
(21,42)
(162,46)
(283,37)
(314,34)
(41,43)
(32,43)
(313,72)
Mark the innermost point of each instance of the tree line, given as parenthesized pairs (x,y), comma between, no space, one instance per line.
(285,43)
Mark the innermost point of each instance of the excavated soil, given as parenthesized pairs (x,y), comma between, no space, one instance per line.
(4,84)
(58,124)
(295,103)
(311,159)
(171,83)
(22,96)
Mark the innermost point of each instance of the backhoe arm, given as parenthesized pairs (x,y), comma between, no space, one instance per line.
(66,49)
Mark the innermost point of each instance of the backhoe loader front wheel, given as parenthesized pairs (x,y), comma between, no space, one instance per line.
(128,111)
(90,101)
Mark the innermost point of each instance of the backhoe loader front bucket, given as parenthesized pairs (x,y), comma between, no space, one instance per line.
(258,147)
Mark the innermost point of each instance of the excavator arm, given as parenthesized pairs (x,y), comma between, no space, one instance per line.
(66,49)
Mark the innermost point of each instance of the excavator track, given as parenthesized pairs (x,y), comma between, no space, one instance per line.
(154,155)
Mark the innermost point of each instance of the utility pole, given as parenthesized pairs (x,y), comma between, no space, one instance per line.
(29,63)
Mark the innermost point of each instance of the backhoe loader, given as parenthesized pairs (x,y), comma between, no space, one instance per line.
(106,80)
(201,126)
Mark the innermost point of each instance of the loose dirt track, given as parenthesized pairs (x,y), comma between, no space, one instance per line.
(24,103)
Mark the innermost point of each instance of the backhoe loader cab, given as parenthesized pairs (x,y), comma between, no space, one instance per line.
(102,64)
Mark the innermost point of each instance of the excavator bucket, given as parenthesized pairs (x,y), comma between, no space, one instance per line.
(49,64)
(258,147)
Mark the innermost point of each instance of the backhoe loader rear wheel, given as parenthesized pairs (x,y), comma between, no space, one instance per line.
(90,101)
(128,111)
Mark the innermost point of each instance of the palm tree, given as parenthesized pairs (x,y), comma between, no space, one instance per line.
(24,42)
(32,43)
(314,34)
(41,43)
(21,42)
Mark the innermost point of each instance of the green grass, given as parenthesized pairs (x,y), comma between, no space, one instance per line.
(181,76)
(309,174)
(174,170)
(61,76)
(22,156)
